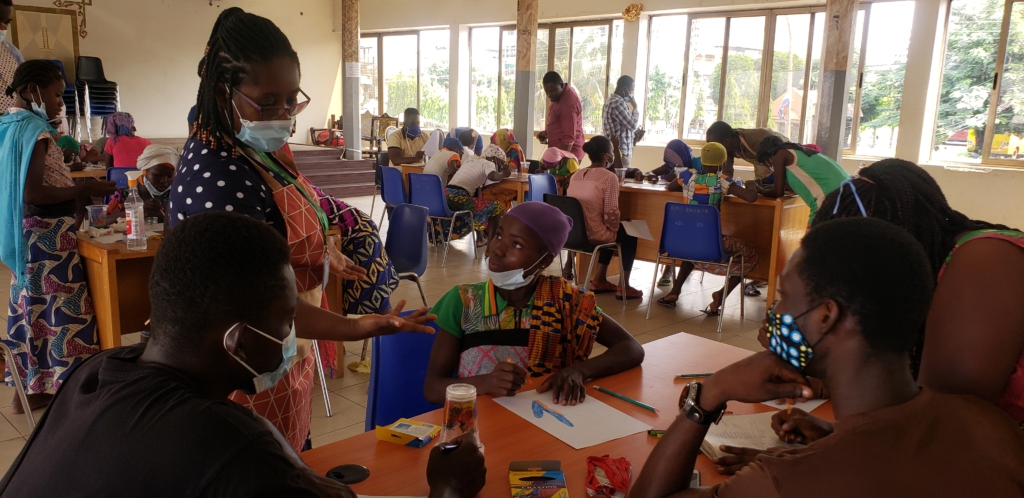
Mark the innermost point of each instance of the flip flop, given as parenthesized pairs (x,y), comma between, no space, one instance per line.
(664,301)
(751,290)
(603,287)
(710,312)
(631,293)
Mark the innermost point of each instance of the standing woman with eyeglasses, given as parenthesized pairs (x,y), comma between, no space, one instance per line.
(248,98)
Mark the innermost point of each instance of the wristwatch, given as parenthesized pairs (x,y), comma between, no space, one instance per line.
(691,409)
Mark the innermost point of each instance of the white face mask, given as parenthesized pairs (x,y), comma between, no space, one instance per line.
(264,381)
(513,279)
(3,35)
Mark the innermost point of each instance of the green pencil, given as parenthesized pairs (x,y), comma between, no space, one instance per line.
(631,400)
(692,376)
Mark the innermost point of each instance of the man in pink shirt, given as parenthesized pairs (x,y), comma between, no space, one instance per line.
(564,126)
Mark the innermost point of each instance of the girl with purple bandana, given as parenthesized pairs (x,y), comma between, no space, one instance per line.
(520,323)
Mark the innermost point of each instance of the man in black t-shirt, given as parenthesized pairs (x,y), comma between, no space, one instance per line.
(154,420)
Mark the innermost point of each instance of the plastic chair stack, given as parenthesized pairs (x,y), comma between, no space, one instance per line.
(694,233)
(397,372)
(542,184)
(392,190)
(578,242)
(97,95)
(70,98)
(427,191)
(407,243)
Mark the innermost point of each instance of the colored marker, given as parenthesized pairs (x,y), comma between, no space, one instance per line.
(529,383)
(625,398)
(692,376)
(656,433)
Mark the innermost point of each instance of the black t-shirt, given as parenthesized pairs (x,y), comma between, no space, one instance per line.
(119,428)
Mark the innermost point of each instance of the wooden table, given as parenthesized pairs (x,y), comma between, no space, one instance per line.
(519,184)
(119,286)
(100,174)
(773,227)
(401,470)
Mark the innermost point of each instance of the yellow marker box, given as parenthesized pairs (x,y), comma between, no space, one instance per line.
(408,432)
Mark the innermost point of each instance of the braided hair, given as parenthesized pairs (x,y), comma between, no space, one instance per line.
(905,195)
(238,40)
(41,72)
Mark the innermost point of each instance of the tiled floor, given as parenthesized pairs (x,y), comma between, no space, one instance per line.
(348,394)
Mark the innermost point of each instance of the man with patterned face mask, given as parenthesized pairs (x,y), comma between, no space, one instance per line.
(155,419)
(854,299)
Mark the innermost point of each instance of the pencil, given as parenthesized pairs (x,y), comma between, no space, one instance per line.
(631,400)
(691,376)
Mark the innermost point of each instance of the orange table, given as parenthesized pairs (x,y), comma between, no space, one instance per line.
(400,470)
(100,174)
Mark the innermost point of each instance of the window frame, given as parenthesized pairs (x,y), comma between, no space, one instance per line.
(419,62)
(768,55)
(995,90)
(552,29)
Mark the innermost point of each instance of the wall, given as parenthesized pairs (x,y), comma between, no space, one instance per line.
(983,195)
(151,48)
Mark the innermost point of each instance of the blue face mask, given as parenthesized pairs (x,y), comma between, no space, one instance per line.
(265,136)
(152,190)
(853,190)
(786,340)
(264,381)
(40,109)
(413,130)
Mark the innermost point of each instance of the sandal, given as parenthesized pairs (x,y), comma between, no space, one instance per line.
(631,293)
(602,287)
(751,290)
(666,302)
(710,312)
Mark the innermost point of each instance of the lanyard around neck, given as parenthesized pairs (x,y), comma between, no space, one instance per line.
(293,180)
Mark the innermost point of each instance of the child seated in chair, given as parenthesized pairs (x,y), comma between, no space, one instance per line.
(707,188)
(520,323)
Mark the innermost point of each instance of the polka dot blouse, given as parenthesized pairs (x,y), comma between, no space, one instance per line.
(209,179)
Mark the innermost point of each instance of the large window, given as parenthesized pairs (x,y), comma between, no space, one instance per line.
(404,70)
(761,69)
(981,102)
(583,53)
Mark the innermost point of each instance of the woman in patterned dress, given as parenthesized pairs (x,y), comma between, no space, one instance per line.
(50,323)
(248,98)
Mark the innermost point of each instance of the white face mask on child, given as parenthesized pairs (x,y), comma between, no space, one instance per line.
(513,279)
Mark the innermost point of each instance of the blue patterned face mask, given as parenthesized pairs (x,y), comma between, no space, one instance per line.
(853,189)
(786,340)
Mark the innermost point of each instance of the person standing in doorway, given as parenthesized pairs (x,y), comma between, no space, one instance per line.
(564,126)
(10,56)
(620,118)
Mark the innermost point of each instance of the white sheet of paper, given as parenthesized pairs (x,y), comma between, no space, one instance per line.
(593,422)
(745,431)
(638,229)
(110,239)
(806,406)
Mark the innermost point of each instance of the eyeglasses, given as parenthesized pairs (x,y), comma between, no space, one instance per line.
(277,112)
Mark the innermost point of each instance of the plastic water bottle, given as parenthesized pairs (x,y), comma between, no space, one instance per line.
(134,217)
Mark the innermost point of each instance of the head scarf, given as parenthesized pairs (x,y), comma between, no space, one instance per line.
(120,124)
(550,224)
(67,143)
(452,144)
(494,152)
(155,155)
(508,143)
(554,156)
(813,147)
(678,155)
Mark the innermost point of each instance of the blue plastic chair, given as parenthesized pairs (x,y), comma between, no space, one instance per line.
(694,233)
(540,184)
(407,243)
(398,368)
(392,190)
(427,191)
(382,162)
(119,176)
